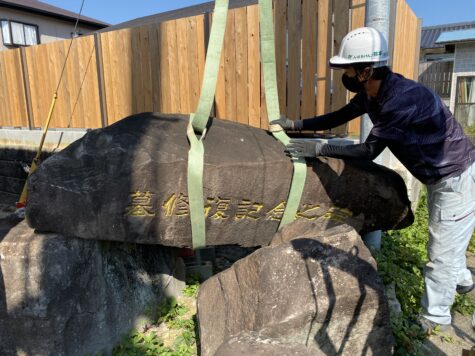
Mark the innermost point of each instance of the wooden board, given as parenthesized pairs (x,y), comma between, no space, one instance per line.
(253,66)
(242,95)
(77,103)
(230,67)
(280,15)
(341,28)
(324,35)
(13,110)
(309,57)
(294,58)
(406,44)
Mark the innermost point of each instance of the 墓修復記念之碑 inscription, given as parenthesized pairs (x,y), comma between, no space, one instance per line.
(141,205)
(128,182)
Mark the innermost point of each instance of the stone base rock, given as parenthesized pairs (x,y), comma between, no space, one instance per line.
(68,296)
(253,344)
(316,287)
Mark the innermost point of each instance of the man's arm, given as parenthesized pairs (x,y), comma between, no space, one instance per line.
(368,150)
(348,112)
(333,119)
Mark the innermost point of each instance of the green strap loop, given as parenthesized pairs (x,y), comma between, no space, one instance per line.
(198,123)
(213,59)
(195,189)
(272,100)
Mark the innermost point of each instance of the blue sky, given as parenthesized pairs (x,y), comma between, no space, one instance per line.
(433,12)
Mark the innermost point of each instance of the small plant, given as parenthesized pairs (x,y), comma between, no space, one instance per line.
(463,305)
(448,339)
(170,310)
(137,344)
(409,336)
(192,285)
(191,290)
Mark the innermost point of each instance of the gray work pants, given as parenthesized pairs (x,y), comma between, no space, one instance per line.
(451,205)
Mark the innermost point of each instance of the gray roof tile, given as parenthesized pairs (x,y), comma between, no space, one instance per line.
(430,34)
(50,10)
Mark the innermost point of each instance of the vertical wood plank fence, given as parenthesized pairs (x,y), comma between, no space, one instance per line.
(159,67)
(437,76)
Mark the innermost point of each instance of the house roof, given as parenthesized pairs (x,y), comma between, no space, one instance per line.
(194,10)
(430,34)
(456,36)
(41,8)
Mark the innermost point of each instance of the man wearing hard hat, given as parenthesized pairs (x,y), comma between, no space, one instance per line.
(420,131)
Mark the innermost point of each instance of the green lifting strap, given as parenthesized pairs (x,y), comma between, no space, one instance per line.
(272,100)
(198,123)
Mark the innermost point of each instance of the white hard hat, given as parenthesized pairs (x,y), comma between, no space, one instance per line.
(363,45)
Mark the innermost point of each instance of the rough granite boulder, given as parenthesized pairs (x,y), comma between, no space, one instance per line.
(252,344)
(315,290)
(128,182)
(68,296)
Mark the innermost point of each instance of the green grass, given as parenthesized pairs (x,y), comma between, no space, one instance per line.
(401,260)
(177,317)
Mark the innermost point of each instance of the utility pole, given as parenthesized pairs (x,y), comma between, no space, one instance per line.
(378,16)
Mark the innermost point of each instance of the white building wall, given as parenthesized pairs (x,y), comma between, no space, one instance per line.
(49,28)
(464,65)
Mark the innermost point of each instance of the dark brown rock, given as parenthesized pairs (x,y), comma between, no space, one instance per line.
(128,182)
(69,296)
(319,289)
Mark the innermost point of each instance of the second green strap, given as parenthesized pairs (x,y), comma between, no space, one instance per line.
(198,123)
(272,100)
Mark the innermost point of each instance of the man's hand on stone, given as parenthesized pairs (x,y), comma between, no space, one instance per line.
(285,124)
(299,148)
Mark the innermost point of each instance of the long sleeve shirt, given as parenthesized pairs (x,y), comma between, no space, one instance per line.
(412,121)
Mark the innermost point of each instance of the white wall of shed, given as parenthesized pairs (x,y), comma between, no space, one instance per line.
(464,65)
(50,29)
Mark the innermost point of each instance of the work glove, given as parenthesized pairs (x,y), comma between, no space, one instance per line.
(285,124)
(299,148)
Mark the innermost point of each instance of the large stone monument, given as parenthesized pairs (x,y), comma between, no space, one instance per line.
(128,182)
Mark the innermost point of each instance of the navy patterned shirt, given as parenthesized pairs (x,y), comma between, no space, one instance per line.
(413,122)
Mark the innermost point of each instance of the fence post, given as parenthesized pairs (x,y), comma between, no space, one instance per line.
(100,79)
(26,86)
(418,52)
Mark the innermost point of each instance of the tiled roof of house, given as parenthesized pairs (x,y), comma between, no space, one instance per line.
(50,10)
(430,34)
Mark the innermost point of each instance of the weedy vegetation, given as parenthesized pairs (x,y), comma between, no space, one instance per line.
(175,319)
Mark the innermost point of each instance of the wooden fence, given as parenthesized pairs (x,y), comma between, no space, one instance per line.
(159,67)
(437,76)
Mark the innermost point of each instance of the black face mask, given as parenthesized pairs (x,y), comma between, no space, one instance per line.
(352,83)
